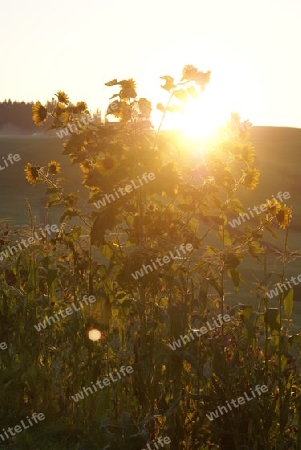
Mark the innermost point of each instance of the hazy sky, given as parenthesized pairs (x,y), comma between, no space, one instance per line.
(251,47)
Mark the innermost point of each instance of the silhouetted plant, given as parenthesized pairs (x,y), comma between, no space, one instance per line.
(97,250)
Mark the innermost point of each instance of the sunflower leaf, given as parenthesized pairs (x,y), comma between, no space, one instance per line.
(111,83)
(288,302)
(181,95)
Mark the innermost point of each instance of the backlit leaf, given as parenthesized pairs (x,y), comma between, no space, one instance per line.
(181,95)
(288,302)
(192,92)
(111,83)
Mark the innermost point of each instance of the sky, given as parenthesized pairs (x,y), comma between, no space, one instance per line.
(251,48)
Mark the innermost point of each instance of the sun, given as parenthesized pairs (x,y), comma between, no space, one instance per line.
(205,116)
(202,117)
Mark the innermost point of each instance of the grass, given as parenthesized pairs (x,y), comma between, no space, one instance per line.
(37,150)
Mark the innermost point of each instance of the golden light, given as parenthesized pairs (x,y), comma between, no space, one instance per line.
(204,116)
(94,335)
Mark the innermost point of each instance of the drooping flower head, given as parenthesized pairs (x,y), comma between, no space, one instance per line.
(31,173)
(39,113)
(284,217)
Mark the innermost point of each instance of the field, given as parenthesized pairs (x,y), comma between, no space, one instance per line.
(277,151)
(277,156)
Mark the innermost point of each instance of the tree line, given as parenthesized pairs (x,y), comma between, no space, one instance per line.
(16,117)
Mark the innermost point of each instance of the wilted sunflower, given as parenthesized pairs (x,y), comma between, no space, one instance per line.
(284,217)
(62,97)
(107,165)
(251,177)
(31,173)
(54,167)
(39,113)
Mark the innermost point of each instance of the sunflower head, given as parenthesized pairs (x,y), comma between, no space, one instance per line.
(80,107)
(273,206)
(31,173)
(54,167)
(251,178)
(128,89)
(85,166)
(60,113)
(107,165)
(62,97)
(39,113)
(284,217)
(189,72)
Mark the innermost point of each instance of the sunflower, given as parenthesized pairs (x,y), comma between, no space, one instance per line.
(85,166)
(284,217)
(189,72)
(273,206)
(62,97)
(59,110)
(128,89)
(31,173)
(54,167)
(202,79)
(248,153)
(251,177)
(39,113)
(80,107)
(107,165)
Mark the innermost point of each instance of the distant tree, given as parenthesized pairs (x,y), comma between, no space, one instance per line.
(17,116)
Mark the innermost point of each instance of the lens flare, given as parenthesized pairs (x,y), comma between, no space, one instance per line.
(94,335)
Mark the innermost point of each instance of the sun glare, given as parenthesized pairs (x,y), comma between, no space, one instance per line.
(202,117)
